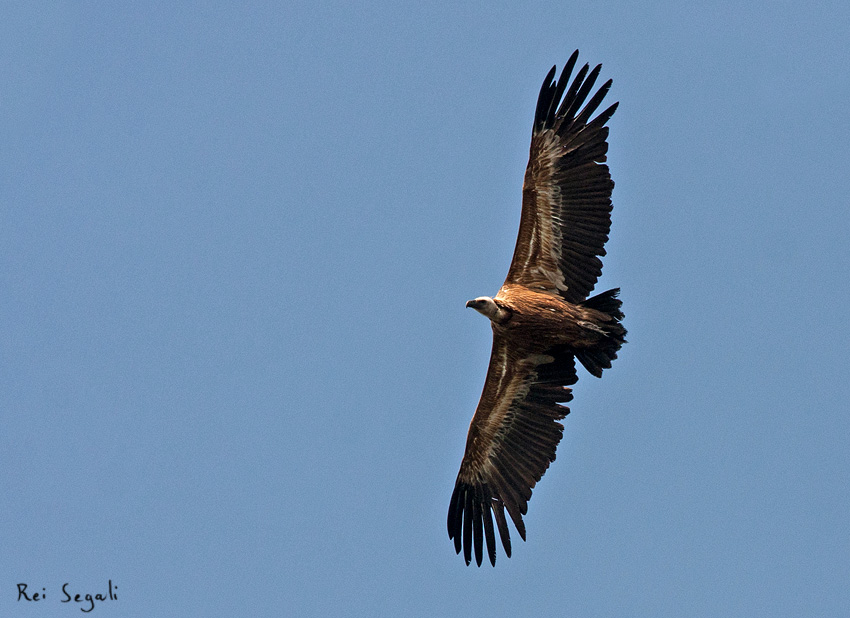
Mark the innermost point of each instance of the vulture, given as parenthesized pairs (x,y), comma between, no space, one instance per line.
(542,318)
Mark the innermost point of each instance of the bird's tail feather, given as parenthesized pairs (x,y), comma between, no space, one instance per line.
(599,357)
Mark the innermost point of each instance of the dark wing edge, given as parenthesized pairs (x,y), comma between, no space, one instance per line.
(566,210)
(508,451)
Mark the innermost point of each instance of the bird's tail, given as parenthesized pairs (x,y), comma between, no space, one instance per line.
(599,357)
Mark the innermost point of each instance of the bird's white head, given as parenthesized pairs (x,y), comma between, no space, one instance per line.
(486,306)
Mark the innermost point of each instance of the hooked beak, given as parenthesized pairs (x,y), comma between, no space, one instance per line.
(470,303)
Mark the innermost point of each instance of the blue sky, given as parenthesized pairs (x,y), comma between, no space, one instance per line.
(236,370)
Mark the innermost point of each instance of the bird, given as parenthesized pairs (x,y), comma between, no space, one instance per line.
(542,318)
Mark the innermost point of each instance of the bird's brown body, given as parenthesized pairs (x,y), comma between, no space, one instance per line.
(537,321)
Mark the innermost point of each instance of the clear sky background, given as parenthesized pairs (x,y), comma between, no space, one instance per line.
(236,370)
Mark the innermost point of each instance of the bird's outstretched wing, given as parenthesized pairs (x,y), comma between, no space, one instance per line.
(512,440)
(566,196)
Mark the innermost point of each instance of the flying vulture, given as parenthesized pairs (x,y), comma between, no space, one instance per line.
(542,317)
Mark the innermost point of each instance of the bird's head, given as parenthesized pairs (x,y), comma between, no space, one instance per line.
(488,307)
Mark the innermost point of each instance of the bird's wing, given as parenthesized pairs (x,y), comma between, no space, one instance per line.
(512,440)
(566,196)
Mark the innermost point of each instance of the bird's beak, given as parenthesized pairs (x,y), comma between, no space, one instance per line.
(470,303)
